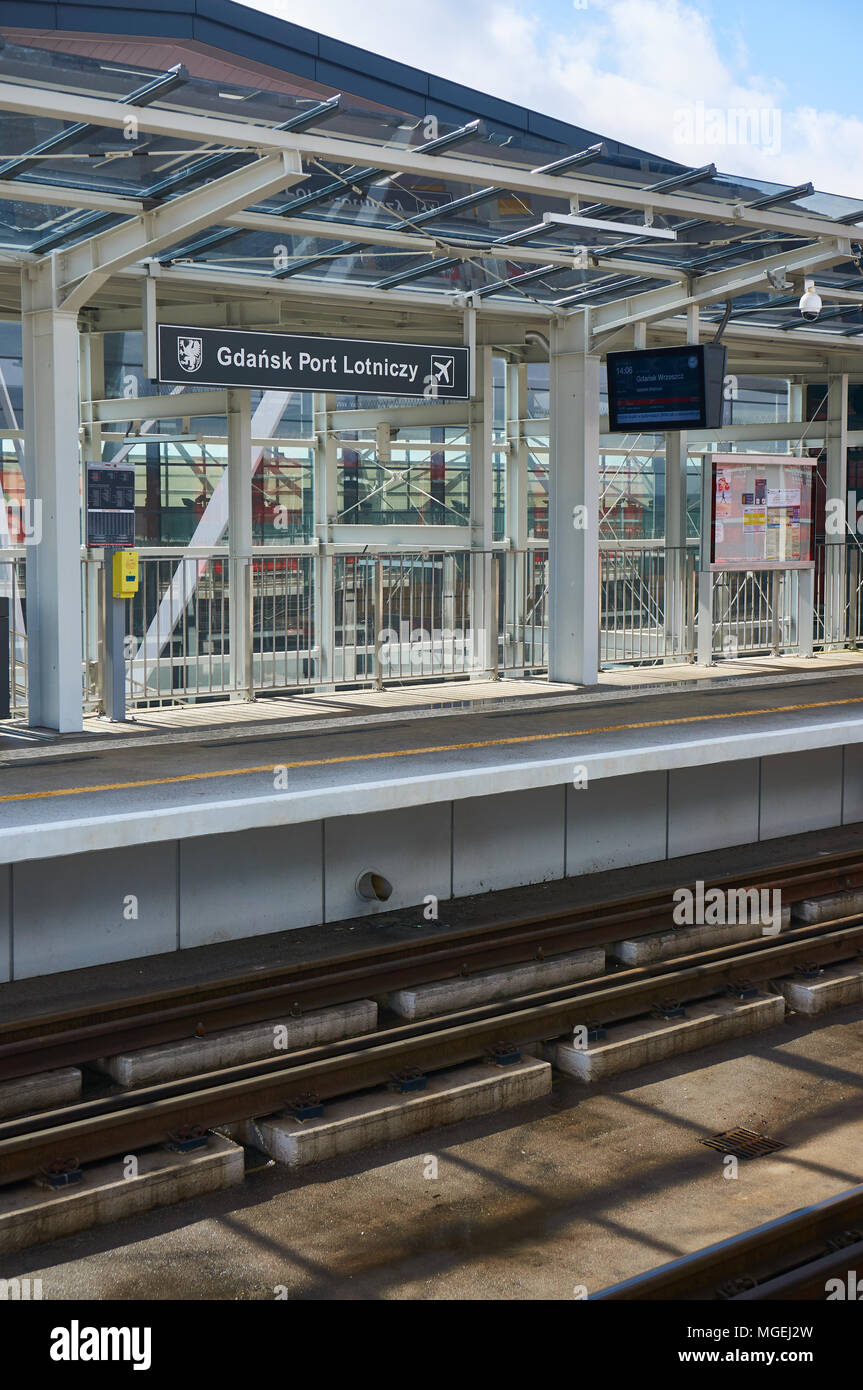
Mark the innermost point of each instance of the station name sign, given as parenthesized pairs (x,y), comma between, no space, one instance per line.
(299,362)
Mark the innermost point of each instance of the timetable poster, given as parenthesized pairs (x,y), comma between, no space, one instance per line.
(763,512)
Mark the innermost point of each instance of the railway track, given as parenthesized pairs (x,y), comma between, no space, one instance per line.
(80,1035)
(119,1124)
(790,1258)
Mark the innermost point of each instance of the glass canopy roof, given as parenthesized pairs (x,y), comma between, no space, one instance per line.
(477,237)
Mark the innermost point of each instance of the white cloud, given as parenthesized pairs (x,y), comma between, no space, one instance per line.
(627,69)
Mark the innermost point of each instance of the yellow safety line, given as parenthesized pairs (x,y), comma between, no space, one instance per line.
(437,748)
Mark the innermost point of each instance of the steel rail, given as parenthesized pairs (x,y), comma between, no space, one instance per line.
(99,1129)
(81,1035)
(786,1257)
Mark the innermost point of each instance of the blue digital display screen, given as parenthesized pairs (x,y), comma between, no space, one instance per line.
(659,389)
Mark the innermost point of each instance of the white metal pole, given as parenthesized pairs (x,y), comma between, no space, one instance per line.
(517,562)
(240,544)
(805,610)
(835,629)
(51,474)
(676,454)
(480,433)
(326,511)
(573,516)
(676,451)
(92,388)
(704,618)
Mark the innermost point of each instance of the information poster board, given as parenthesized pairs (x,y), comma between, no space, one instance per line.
(762,512)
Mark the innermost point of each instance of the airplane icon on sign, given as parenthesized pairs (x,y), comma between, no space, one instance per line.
(443,371)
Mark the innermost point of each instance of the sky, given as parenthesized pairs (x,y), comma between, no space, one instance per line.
(760,88)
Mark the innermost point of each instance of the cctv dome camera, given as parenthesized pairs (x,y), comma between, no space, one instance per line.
(810,305)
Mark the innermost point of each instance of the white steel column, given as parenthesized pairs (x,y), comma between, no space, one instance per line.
(326,503)
(92,359)
(805,618)
(518,573)
(92,368)
(483,621)
(796,402)
(240,544)
(517,455)
(835,555)
(573,512)
(51,474)
(704,615)
(676,453)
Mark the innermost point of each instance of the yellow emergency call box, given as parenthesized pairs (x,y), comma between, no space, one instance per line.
(125,573)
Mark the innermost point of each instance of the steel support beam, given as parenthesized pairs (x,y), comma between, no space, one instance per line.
(717,285)
(59,195)
(676,454)
(92,377)
(516,524)
(326,505)
(704,581)
(124,410)
(88,265)
(264,286)
(364,234)
(518,460)
(573,512)
(59,105)
(835,557)
(51,475)
(155,89)
(483,619)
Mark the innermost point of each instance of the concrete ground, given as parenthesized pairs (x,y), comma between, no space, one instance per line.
(584,1188)
(362,705)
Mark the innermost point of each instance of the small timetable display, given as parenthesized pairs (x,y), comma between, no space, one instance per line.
(659,389)
(762,512)
(110,505)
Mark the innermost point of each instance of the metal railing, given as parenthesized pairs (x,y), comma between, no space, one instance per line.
(92,630)
(647,604)
(373,618)
(755,611)
(522,607)
(12,587)
(178,640)
(426,626)
(283,627)
(357,618)
(838,599)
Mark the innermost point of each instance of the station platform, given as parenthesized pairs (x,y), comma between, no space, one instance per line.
(118,845)
(420,699)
